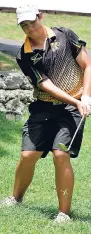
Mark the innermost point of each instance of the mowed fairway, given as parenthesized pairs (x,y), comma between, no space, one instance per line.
(36,214)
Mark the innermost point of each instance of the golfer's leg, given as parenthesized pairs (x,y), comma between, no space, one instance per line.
(64,179)
(25,172)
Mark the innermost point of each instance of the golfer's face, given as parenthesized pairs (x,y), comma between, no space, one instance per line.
(31,28)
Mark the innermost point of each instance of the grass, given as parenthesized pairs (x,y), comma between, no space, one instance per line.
(7,62)
(36,215)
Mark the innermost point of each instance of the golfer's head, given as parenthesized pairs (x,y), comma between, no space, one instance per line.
(27,12)
(29,18)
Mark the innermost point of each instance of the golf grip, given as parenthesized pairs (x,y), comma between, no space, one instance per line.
(76,132)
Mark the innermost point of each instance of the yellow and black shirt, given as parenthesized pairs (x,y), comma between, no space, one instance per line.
(57,61)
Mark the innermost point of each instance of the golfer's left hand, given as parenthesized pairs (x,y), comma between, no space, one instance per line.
(86,105)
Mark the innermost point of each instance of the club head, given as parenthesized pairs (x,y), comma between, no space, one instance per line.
(63,147)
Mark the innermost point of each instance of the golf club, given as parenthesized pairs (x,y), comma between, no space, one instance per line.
(64,147)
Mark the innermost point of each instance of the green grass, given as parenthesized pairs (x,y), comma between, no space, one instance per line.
(36,215)
(7,62)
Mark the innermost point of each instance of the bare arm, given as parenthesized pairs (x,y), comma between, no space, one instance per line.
(85,63)
(60,95)
(54,91)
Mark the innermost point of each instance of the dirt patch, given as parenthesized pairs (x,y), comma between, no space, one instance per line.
(4,65)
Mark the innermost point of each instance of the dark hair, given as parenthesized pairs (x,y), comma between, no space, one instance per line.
(37,15)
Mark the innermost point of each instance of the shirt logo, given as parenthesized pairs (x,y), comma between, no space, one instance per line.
(55,46)
(36,58)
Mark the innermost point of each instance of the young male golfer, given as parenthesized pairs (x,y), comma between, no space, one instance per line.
(57,64)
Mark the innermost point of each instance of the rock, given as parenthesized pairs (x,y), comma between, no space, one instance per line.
(2,108)
(15,93)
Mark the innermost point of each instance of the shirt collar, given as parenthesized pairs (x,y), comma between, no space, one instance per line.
(27,45)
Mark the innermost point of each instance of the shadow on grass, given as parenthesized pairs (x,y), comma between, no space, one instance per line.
(51,212)
(10,132)
(81,217)
(47,211)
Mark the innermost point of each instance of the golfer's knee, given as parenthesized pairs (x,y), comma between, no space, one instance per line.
(60,156)
(25,155)
(29,156)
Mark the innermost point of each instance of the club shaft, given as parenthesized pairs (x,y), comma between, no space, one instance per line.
(76,132)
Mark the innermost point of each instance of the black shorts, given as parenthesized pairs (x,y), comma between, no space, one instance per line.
(49,125)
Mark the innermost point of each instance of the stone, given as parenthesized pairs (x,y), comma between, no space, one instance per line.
(16,93)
